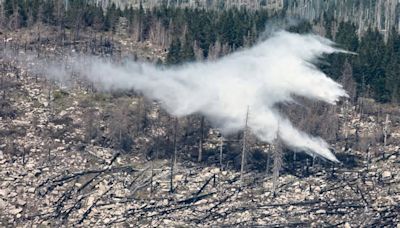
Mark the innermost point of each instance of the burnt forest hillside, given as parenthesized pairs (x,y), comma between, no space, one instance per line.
(72,154)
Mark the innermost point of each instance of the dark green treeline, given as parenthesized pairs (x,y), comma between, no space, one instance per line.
(200,34)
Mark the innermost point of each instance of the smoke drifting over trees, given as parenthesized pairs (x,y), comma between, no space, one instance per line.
(260,77)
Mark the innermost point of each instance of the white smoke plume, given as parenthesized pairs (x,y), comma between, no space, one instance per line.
(269,73)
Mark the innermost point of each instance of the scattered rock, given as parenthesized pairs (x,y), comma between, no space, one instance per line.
(12,194)
(3,204)
(215,170)
(21,202)
(15,211)
(3,193)
(386,175)
(320,211)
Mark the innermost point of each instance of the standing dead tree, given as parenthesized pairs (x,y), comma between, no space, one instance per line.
(221,147)
(200,157)
(174,156)
(243,160)
(120,126)
(385,130)
(278,161)
(91,129)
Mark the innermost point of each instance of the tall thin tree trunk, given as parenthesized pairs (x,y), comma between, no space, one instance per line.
(244,149)
(173,158)
(386,130)
(2,86)
(268,163)
(221,147)
(24,156)
(175,140)
(278,160)
(151,177)
(200,156)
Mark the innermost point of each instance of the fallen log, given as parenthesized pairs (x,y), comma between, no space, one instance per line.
(195,198)
(204,185)
(89,210)
(65,179)
(299,203)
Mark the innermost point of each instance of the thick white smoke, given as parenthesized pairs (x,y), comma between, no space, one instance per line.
(269,73)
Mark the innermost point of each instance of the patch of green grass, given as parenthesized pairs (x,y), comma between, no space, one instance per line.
(101,97)
(61,100)
(59,94)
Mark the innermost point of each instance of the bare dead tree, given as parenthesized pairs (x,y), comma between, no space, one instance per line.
(221,147)
(215,50)
(386,130)
(120,131)
(50,97)
(268,161)
(141,120)
(91,126)
(345,113)
(175,140)
(363,145)
(49,147)
(151,176)
(244,142)
(278,161)
(3,87)
(25,153)
(173,157)
(200,156)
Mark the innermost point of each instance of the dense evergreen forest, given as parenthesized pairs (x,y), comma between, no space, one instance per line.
(197,34)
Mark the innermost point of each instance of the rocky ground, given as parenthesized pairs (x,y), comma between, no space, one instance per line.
(48,178)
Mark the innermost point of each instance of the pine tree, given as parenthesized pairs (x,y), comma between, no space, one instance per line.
(34,6)
(2,17)
(8,8)
(111,18)
(347,39)
(22,12)
(48,12)
(174,53)
(392,68)
(187,52)
(370,66)
(302,27)
(348,82)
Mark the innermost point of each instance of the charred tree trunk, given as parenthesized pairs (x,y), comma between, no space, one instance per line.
(243,160)
(278,161)
(200,156)
(173,157)
(221,147)
(385,130)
